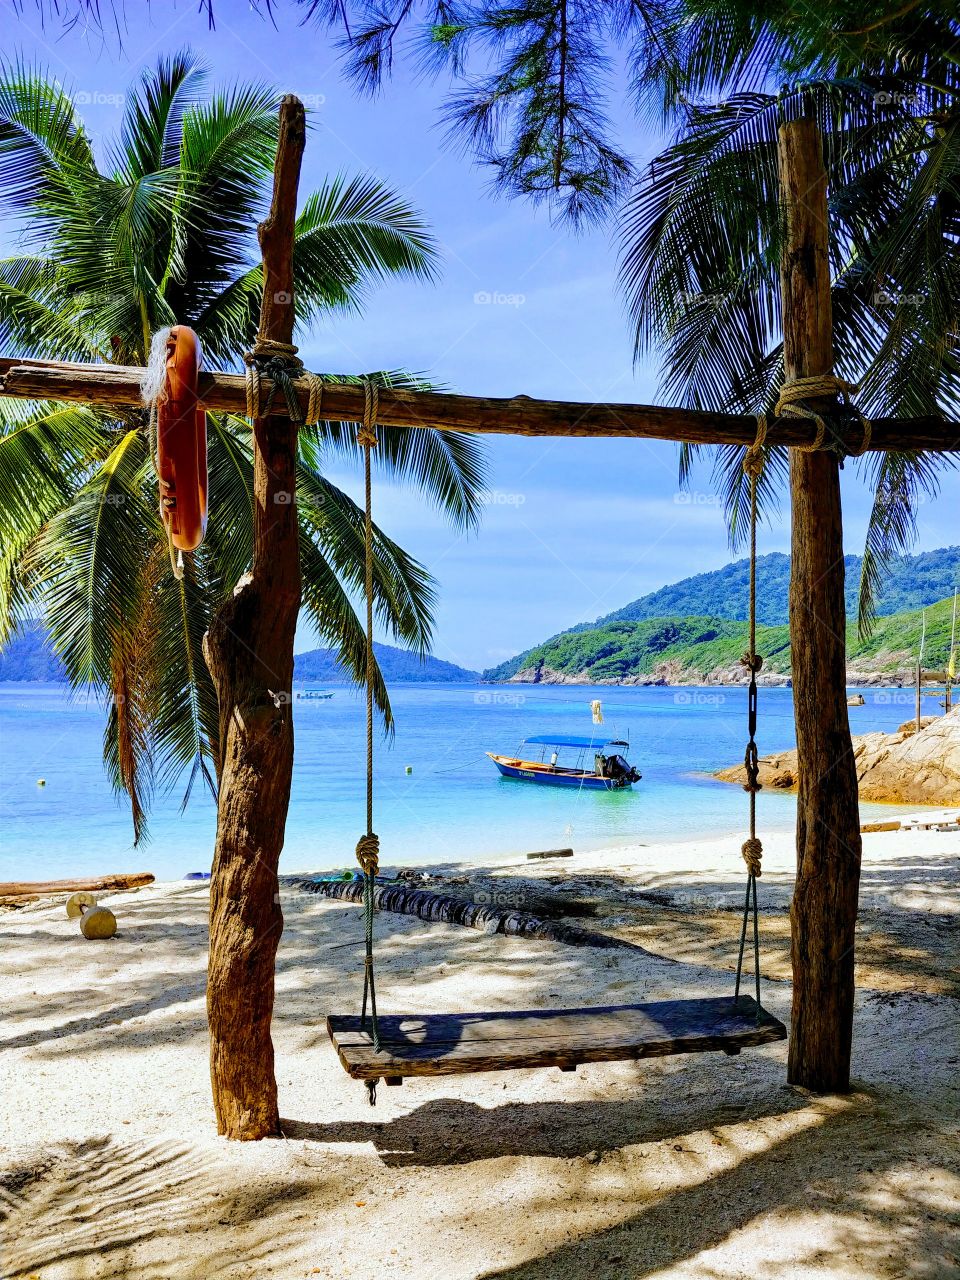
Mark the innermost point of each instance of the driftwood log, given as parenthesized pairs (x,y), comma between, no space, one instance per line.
(15,893)
(449,908)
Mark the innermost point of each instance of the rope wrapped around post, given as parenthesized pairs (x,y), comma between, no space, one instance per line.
(368,846)
(279,362)
(789,405)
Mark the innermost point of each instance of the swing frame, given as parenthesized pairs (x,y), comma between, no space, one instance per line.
(248,657)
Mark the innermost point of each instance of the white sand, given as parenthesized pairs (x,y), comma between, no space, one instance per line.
(703,1167)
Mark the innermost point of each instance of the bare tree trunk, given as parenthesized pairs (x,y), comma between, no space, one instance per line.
(249,650)
(824,910)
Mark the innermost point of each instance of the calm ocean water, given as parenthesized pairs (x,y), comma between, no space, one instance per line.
(452,806)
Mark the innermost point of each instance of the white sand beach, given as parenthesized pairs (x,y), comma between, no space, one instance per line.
(703,1167)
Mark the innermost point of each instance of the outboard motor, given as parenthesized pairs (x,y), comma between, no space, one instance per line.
(618,770)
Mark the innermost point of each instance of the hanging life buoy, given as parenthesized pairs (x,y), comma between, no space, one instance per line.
(182,443)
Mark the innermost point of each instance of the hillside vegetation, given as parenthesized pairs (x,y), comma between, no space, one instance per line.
(912,582)
(706,650)
(396,665)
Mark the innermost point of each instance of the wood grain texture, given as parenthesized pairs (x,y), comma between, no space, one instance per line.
(517,415)
(824,906)
(454,1044)
(92,884)
(249,650)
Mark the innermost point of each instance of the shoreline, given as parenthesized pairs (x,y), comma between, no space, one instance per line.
(629,852)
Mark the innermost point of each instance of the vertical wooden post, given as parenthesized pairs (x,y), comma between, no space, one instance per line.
(824,910)
(249,649)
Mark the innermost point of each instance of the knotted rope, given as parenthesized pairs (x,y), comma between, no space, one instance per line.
(751,660)
(368,846)
(279,362)
(752,848)
(825,384)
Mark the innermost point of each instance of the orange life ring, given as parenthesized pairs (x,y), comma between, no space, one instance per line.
(182,443)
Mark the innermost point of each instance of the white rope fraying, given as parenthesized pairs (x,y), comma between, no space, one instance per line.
(153,384)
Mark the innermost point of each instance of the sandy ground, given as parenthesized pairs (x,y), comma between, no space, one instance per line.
(704,1166)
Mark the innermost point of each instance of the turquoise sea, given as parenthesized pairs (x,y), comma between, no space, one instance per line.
(452,806)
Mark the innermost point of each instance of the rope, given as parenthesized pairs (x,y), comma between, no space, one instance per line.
(752,848)
(263,362)
(812,388)
(277,361)
(368,846)
(315,399)
(753,459)
(867,437)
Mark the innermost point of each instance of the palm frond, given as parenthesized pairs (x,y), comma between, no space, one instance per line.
(449,466)
(44,151)
(154,110)
(352,234)
(403,589)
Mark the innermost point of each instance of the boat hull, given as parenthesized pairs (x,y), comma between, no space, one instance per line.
(545,776)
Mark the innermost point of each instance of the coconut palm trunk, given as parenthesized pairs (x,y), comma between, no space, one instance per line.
(249,649)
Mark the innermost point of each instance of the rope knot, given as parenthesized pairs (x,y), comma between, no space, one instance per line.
(367,431)
(790,404)
(368,853)
(753,459)
(751,765)
(752,851)
(279,362)
(752,661)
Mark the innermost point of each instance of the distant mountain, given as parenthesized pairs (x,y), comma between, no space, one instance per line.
(707,651)
(28,656)
(396,664)
(911,582)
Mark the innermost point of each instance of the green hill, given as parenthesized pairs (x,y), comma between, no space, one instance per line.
(692,650)
(396,664)
(28,656)
(912,582)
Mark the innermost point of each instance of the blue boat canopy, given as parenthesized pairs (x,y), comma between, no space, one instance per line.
(548,740)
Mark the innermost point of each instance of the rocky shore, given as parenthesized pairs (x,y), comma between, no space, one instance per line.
(906,767)
(667,674)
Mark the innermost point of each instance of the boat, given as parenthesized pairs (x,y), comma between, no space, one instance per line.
(314,695)
(609,771)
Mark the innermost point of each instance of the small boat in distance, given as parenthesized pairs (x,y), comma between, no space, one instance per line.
(314,695)
(610,769)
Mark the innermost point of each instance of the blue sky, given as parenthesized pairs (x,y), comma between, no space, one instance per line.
(573,529)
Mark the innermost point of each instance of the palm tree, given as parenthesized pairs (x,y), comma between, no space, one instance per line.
(167,235)
(701,233)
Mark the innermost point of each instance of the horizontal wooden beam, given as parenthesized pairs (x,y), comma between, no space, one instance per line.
(519,415)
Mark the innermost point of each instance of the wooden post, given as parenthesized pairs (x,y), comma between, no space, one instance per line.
(249,649)
(824,909)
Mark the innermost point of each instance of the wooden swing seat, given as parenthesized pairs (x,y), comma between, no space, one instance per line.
(444,1044)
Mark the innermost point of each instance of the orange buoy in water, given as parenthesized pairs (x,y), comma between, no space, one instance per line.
(182,443)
